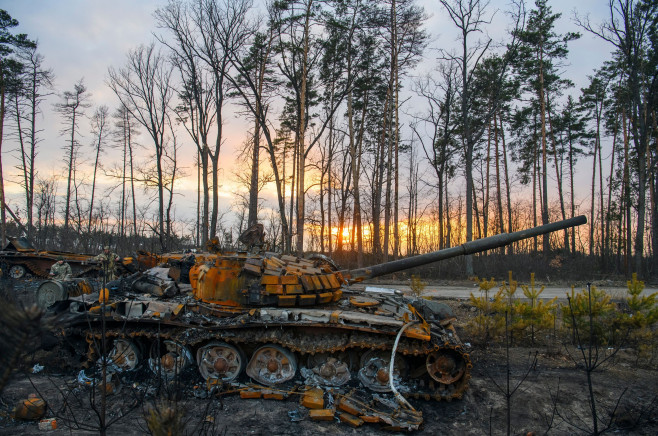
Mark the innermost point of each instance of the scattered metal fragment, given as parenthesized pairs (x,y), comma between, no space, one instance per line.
(295,416)
(31,409)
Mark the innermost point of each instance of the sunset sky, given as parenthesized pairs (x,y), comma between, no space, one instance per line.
(82,38)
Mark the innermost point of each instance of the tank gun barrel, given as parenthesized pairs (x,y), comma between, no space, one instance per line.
(479,245)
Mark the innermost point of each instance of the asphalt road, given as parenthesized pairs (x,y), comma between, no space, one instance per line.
(464,291)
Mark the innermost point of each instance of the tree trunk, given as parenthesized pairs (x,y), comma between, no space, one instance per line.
(3,216)
(355,156)
(301,134)
(253,184)
(122,227)
(33,149)
(571,193)
(67,207)
(593,198)
(601,209)
(293,191)
(508,196)
(379,178)
(387,196)
(627,199)
(534,197)
(132,180)
(558,177)
(161,209)
(607,240)
(93,180)
(396,129)
(499,193)
(544,153)
(329,183)
(468,154)
(654,201)
(485,203)
(477,212)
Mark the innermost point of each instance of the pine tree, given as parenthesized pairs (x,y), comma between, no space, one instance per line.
(539,55)
(10,70)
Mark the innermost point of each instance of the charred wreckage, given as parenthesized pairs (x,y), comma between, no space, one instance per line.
(268,324)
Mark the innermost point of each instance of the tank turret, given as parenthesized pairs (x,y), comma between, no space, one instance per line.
(269,279)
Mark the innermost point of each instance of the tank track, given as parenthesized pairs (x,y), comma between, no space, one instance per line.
(304,344)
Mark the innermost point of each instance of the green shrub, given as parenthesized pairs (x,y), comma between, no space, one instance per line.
(593,313)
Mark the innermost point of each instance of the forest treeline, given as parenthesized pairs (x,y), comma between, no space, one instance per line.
(362,152)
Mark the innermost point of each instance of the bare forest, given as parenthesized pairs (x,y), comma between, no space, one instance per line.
(362,135)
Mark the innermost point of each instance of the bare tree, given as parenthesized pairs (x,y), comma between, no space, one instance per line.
(195,110)
(222,29)
(71,108)
(124,139)
(253,83)
(145,90)
(99,123)
(26,108)
(45,194)
(437,136)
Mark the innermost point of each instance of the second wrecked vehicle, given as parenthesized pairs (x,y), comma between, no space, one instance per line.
(19,259)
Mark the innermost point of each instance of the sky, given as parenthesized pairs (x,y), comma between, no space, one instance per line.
(82,38)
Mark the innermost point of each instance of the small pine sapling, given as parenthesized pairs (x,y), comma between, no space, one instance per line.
(490,320)
(417,285)
(535,313)
(640,319)
(514,322)
(590,310)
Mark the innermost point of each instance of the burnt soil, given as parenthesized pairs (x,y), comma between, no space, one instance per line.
(552,397)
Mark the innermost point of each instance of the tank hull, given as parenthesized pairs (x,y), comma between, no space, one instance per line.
(340,346)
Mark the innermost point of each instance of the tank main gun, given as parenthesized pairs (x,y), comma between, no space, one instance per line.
(471,247)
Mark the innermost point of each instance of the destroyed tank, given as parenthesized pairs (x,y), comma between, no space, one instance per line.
(280,319)
(19,260)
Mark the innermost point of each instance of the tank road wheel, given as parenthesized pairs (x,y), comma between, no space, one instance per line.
(124,355)
(50,292)
(374,370)
(445,366)
(219,360)
(17,271)
(169,358)
(271,365)
(331,370)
